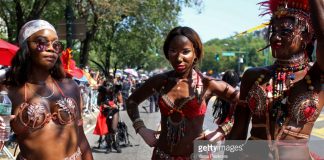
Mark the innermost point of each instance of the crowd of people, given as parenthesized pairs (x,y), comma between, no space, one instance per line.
(282,101)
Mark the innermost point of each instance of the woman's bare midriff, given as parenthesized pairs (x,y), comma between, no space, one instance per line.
(53,141)
(185,146)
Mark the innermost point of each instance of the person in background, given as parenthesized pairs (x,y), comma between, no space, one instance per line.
(46,106)
(106,99)
(284,100)
(183,92)
(126,89)
(231,77)
(221,108)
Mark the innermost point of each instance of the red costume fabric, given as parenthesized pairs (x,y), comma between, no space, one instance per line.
(191,109)
(101,125)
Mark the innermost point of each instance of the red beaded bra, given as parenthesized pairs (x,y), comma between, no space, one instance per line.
(190,108)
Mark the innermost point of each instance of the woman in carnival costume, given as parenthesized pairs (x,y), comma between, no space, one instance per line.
(183,96)
(47,106)
(285,99)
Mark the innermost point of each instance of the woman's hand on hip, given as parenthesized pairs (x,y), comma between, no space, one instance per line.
(149,136)
(212,136)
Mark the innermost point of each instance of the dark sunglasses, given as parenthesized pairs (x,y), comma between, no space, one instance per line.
(43,44)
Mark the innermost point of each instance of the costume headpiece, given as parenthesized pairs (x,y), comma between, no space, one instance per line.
(32,27)
(298,9)
(285,7)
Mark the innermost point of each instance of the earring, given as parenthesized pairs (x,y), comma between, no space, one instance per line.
(275,54)
(195,62)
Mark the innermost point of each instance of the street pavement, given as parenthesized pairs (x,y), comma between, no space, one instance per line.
(138,149)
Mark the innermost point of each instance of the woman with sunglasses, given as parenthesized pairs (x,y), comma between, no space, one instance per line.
(285,99)
(46,106)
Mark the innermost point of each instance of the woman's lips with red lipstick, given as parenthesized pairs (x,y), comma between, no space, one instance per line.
(276,45)
(180,67)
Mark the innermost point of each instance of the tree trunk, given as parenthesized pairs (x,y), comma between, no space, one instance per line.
(84,55)
(107,63)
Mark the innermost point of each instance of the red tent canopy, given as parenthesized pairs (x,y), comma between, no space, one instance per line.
(7,52)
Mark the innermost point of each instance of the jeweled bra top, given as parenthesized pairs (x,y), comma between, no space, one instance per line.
(190,107)
(34,116)
(302,108)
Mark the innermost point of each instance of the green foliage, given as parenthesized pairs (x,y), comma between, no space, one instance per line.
(131,33)
(16,13)
(245,46)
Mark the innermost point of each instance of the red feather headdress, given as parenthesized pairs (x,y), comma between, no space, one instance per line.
(283,7)
(299,9)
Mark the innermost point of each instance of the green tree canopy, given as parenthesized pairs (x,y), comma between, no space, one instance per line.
(246,47)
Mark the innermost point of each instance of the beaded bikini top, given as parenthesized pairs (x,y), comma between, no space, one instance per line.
(274,98)
(177,115)
(34,116)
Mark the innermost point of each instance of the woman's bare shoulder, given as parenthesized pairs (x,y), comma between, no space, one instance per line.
(158,78)
(68,81)
(256,72)
(69,85)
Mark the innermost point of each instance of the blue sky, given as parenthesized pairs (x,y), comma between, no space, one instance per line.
(222,18)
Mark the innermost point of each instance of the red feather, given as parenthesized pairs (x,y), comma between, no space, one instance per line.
(272,6)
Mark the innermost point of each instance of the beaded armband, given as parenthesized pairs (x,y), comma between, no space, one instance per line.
(227,126)
(229,121)
(226,89)
(233,95)
(137,124)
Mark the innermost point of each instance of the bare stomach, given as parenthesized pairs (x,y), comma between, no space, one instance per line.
(52,139)
(193,129)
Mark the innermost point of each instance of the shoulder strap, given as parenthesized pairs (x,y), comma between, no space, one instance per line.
(59,88)
(25,92)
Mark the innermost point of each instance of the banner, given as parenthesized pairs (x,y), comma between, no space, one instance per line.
(253,29)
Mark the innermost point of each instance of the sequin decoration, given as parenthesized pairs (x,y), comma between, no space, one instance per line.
(66,104)
(305,107)
(257,100)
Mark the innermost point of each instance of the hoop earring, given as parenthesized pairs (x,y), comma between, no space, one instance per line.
(195,60)
(275,54)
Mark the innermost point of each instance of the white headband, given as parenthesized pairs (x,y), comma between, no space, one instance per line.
(32,27)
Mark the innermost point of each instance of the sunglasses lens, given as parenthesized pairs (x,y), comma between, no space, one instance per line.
(41,46)
(58,46)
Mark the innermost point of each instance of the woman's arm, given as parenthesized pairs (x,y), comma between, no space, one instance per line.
(242,113)
(83,142)
(140,94)
(317,15)
(145,91)
(224,91)
(84,145)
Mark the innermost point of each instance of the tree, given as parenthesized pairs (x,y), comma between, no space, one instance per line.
(17,12)
(246,46)
(131,32)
